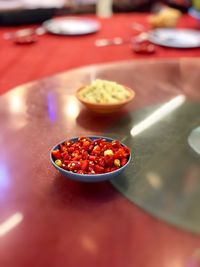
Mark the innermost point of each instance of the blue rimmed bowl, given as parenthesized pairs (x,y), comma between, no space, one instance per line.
(88,177)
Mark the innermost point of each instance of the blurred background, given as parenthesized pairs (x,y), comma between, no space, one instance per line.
(14,12)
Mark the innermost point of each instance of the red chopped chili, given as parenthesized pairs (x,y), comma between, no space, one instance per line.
(87,156)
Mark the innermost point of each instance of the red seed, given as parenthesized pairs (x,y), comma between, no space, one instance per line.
(124,161)
(84,165)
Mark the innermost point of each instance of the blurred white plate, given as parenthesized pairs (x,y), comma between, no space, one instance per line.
(10,5)
(194,140)
(177,38)
(71,26)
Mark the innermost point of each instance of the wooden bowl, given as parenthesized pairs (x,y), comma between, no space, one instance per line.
(105,107)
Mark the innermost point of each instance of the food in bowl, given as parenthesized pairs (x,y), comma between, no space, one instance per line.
(166,17)
(104,92)
(105,96)
(90,155)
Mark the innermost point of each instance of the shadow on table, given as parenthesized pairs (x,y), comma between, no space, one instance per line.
(98,122)
(82,194)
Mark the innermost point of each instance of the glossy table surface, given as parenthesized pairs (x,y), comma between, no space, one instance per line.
(48,220)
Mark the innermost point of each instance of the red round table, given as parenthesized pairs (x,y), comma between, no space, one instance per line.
(48,220)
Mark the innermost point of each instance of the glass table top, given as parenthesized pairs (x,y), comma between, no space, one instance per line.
(164,176)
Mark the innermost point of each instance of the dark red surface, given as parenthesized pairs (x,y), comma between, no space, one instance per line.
(67,223)
(53,54)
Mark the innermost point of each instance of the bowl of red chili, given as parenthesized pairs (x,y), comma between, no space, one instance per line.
(90,158)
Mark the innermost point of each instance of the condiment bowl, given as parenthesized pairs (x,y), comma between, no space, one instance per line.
(105,107)
(96,177)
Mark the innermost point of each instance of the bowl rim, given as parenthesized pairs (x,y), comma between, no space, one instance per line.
(131,91)
(88,176)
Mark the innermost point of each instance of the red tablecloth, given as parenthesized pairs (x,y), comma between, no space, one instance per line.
(53,54)
(150,242)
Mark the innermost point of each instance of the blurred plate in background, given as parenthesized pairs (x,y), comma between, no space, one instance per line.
(72,26)
(177,38)
(194,140)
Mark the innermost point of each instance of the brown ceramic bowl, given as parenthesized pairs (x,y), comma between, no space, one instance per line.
(105,107)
